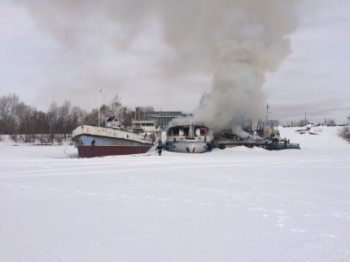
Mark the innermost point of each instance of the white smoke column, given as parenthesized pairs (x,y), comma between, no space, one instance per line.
(253,41)
(240,132)
(235,41)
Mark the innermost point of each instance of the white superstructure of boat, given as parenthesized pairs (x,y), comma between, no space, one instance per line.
(188,138)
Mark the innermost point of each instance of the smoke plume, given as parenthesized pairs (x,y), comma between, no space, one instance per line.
(235,41)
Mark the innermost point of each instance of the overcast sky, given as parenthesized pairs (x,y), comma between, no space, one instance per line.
(143,69)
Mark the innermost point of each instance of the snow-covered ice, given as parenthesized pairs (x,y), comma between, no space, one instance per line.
(236,204)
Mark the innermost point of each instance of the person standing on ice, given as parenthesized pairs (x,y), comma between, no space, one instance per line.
(159,148)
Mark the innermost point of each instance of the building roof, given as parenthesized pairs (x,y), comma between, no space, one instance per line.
(164,113)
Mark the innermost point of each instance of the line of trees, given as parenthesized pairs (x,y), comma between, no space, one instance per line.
(345,132)
(304,122)
(17,118)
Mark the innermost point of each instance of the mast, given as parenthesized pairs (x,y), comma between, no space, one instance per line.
(191,135)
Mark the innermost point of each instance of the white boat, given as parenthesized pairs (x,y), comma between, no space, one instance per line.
(190,138)
(113,139)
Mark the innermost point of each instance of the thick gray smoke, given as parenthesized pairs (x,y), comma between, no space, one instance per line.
(252,41)
(235,41)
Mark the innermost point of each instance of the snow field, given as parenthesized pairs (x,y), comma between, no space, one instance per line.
(236,204)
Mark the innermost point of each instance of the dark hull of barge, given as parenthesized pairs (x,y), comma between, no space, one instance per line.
(97,151)
(114,142)
(268,146)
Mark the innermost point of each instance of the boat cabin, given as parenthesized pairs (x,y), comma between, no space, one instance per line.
(145,125)
(186,131)
(113,122)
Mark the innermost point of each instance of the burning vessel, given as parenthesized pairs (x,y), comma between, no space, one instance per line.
(268,131)
(188,138)
(239,136)
(114,139)
(265,135)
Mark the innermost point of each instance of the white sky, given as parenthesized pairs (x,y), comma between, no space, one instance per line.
(41,69)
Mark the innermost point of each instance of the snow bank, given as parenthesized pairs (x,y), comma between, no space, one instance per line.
(315,137)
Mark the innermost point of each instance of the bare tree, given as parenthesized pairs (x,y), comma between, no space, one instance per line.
(115,105)
(64,116)
(76,117)
(7,108)
(39,123)
(127,116)
(18,118)
(303,122)
(22,115)
(113,108)
(345,133)
(52,117)
(91,118)
(329,122)
(105,112)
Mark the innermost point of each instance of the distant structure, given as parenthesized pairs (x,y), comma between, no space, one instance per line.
(163,117)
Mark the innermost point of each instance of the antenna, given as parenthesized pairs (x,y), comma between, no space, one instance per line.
(191,129)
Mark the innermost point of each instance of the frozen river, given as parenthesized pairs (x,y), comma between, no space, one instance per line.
(235,204)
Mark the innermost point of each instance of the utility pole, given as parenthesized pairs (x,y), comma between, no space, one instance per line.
(99,110)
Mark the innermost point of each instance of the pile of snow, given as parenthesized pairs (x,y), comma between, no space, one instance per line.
(314,136)
(237,204)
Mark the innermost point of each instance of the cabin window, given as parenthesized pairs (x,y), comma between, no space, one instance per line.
(175,131)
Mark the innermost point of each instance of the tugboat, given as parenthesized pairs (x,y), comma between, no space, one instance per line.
(114,139)
(188,138)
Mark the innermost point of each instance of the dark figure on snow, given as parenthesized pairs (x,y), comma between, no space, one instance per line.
(285,142)
(159,148)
